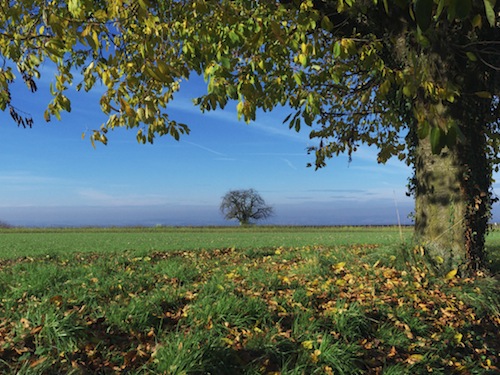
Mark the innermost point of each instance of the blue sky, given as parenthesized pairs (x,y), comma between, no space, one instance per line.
(49,176)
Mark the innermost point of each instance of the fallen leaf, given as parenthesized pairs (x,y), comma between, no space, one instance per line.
(414,358)
(38,362)
(307,344)
(57,300)
(450,275)
(35,330)
(392,352)
(339,266)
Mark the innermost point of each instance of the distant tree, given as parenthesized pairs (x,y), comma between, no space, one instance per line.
(244,205)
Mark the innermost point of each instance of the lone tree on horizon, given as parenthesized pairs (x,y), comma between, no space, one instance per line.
(244,205)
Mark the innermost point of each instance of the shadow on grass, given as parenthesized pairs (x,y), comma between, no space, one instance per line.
(493,259)
(230,360)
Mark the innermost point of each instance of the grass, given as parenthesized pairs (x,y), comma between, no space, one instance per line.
(18,242)
(331,308)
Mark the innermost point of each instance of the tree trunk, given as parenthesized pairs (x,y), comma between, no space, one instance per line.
(440,203)
(452,198)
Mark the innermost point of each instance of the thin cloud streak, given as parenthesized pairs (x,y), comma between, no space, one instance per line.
(289,163)
(212,151)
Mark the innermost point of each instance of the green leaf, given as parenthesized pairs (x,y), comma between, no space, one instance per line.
(407,91)
(336,49)
(462,8)
(437,139)
(477,21)
(440,8)
(225,62)
(386,6)
(423,129)
(297,78)
(471,56)
(234,37)
(75,8)
(452,135)
(483,94)
(423,13)
(489,6)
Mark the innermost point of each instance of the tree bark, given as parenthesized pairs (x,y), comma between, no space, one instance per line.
(440,203)
(452,192)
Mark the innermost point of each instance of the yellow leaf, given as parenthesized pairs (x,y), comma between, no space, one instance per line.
(25,323)
(450,275)
(315,356)
(414,358)
(339,266)
(307,344)
(439,259)
(458,337)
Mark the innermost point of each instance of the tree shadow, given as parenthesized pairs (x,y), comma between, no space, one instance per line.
(234,360)
(493,259)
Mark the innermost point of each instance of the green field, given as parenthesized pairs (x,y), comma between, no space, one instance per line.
(35,242)
(258,300)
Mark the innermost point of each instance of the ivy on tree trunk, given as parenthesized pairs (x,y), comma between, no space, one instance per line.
(453,190)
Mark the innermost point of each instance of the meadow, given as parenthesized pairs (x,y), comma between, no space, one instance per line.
(18,242)
(258,300)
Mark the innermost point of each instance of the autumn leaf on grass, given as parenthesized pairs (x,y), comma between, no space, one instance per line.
(315,356)
(414,358)
(339,266)
(392,352)
(36,330)
(38,362)
(307,344)
(450,275)
(56,300)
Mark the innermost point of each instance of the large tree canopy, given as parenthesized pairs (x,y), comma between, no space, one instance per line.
(418,79)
